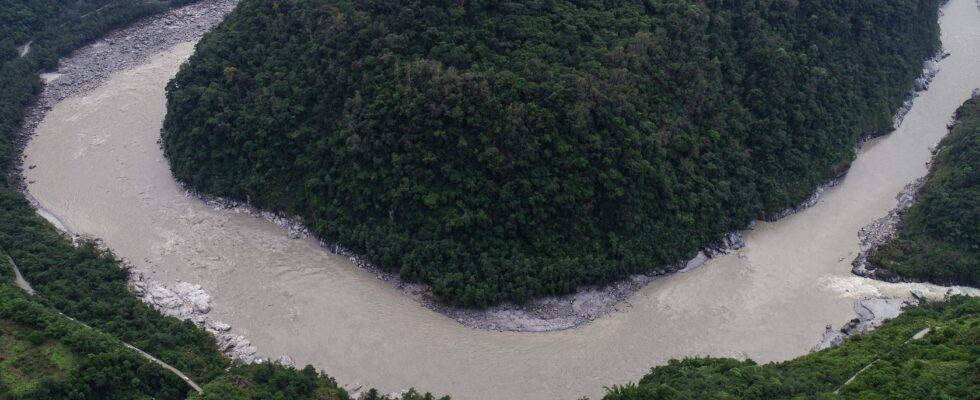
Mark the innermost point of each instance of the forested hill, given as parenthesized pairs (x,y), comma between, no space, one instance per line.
(939,239)
(502,150)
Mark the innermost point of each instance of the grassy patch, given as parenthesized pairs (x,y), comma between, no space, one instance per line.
(27,357)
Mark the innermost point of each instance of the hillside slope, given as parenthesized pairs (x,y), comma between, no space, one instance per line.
(503,150)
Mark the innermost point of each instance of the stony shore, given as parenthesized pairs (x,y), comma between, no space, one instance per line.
(883,229)
(870,314)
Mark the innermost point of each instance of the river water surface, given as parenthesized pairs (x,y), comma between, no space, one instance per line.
(101,172)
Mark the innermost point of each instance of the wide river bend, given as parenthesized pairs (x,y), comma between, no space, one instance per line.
(100,170)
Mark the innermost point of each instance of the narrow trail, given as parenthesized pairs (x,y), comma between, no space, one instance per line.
(26,286)
(25,49)
(918,335)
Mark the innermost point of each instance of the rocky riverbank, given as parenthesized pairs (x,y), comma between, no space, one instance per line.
(870,314)
(929,70)
(883,229)
(550,313)
(89,67)
(188,301)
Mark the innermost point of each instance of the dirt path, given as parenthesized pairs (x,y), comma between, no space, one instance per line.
(918,335)
(26,286)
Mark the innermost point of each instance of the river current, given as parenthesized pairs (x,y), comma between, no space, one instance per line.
(100,171)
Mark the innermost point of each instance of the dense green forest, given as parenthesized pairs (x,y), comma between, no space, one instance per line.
(265,381)
(499,150)
(43,354)
(944,364)
(939,238)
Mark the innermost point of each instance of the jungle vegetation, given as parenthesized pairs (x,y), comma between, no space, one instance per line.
(939,236)
(944,364)
(44,355)
(500,150)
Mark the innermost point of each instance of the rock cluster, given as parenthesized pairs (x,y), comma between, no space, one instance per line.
(871,313)
(882,230)
(929,70)
(190,302)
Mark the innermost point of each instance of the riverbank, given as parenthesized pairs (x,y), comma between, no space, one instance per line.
(100,170)
(887,229)
(86,69)
(90,66)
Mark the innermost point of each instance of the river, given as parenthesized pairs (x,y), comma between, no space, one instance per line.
(100,170)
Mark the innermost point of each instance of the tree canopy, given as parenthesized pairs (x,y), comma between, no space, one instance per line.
(502,150)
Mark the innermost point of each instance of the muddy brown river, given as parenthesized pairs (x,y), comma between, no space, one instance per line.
(100,171)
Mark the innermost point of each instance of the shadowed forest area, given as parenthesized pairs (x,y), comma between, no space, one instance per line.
(505,150)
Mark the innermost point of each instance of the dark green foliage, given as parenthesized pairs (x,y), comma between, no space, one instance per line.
(270,381)
(96,367)
(939,239)
(502,150)
(942,365)
(275,382)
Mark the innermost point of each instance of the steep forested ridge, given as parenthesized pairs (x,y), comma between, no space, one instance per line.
(939,239)
(501,150)
(942,364)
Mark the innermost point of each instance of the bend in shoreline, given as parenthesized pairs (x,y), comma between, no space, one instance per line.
(90,66)
(86,69)
(587,303)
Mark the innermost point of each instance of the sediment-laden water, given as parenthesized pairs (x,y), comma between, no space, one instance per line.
(100,170)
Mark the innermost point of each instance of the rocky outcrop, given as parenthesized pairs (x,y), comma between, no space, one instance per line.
(870,314)
(190,302)
(929,70)
(882,230)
